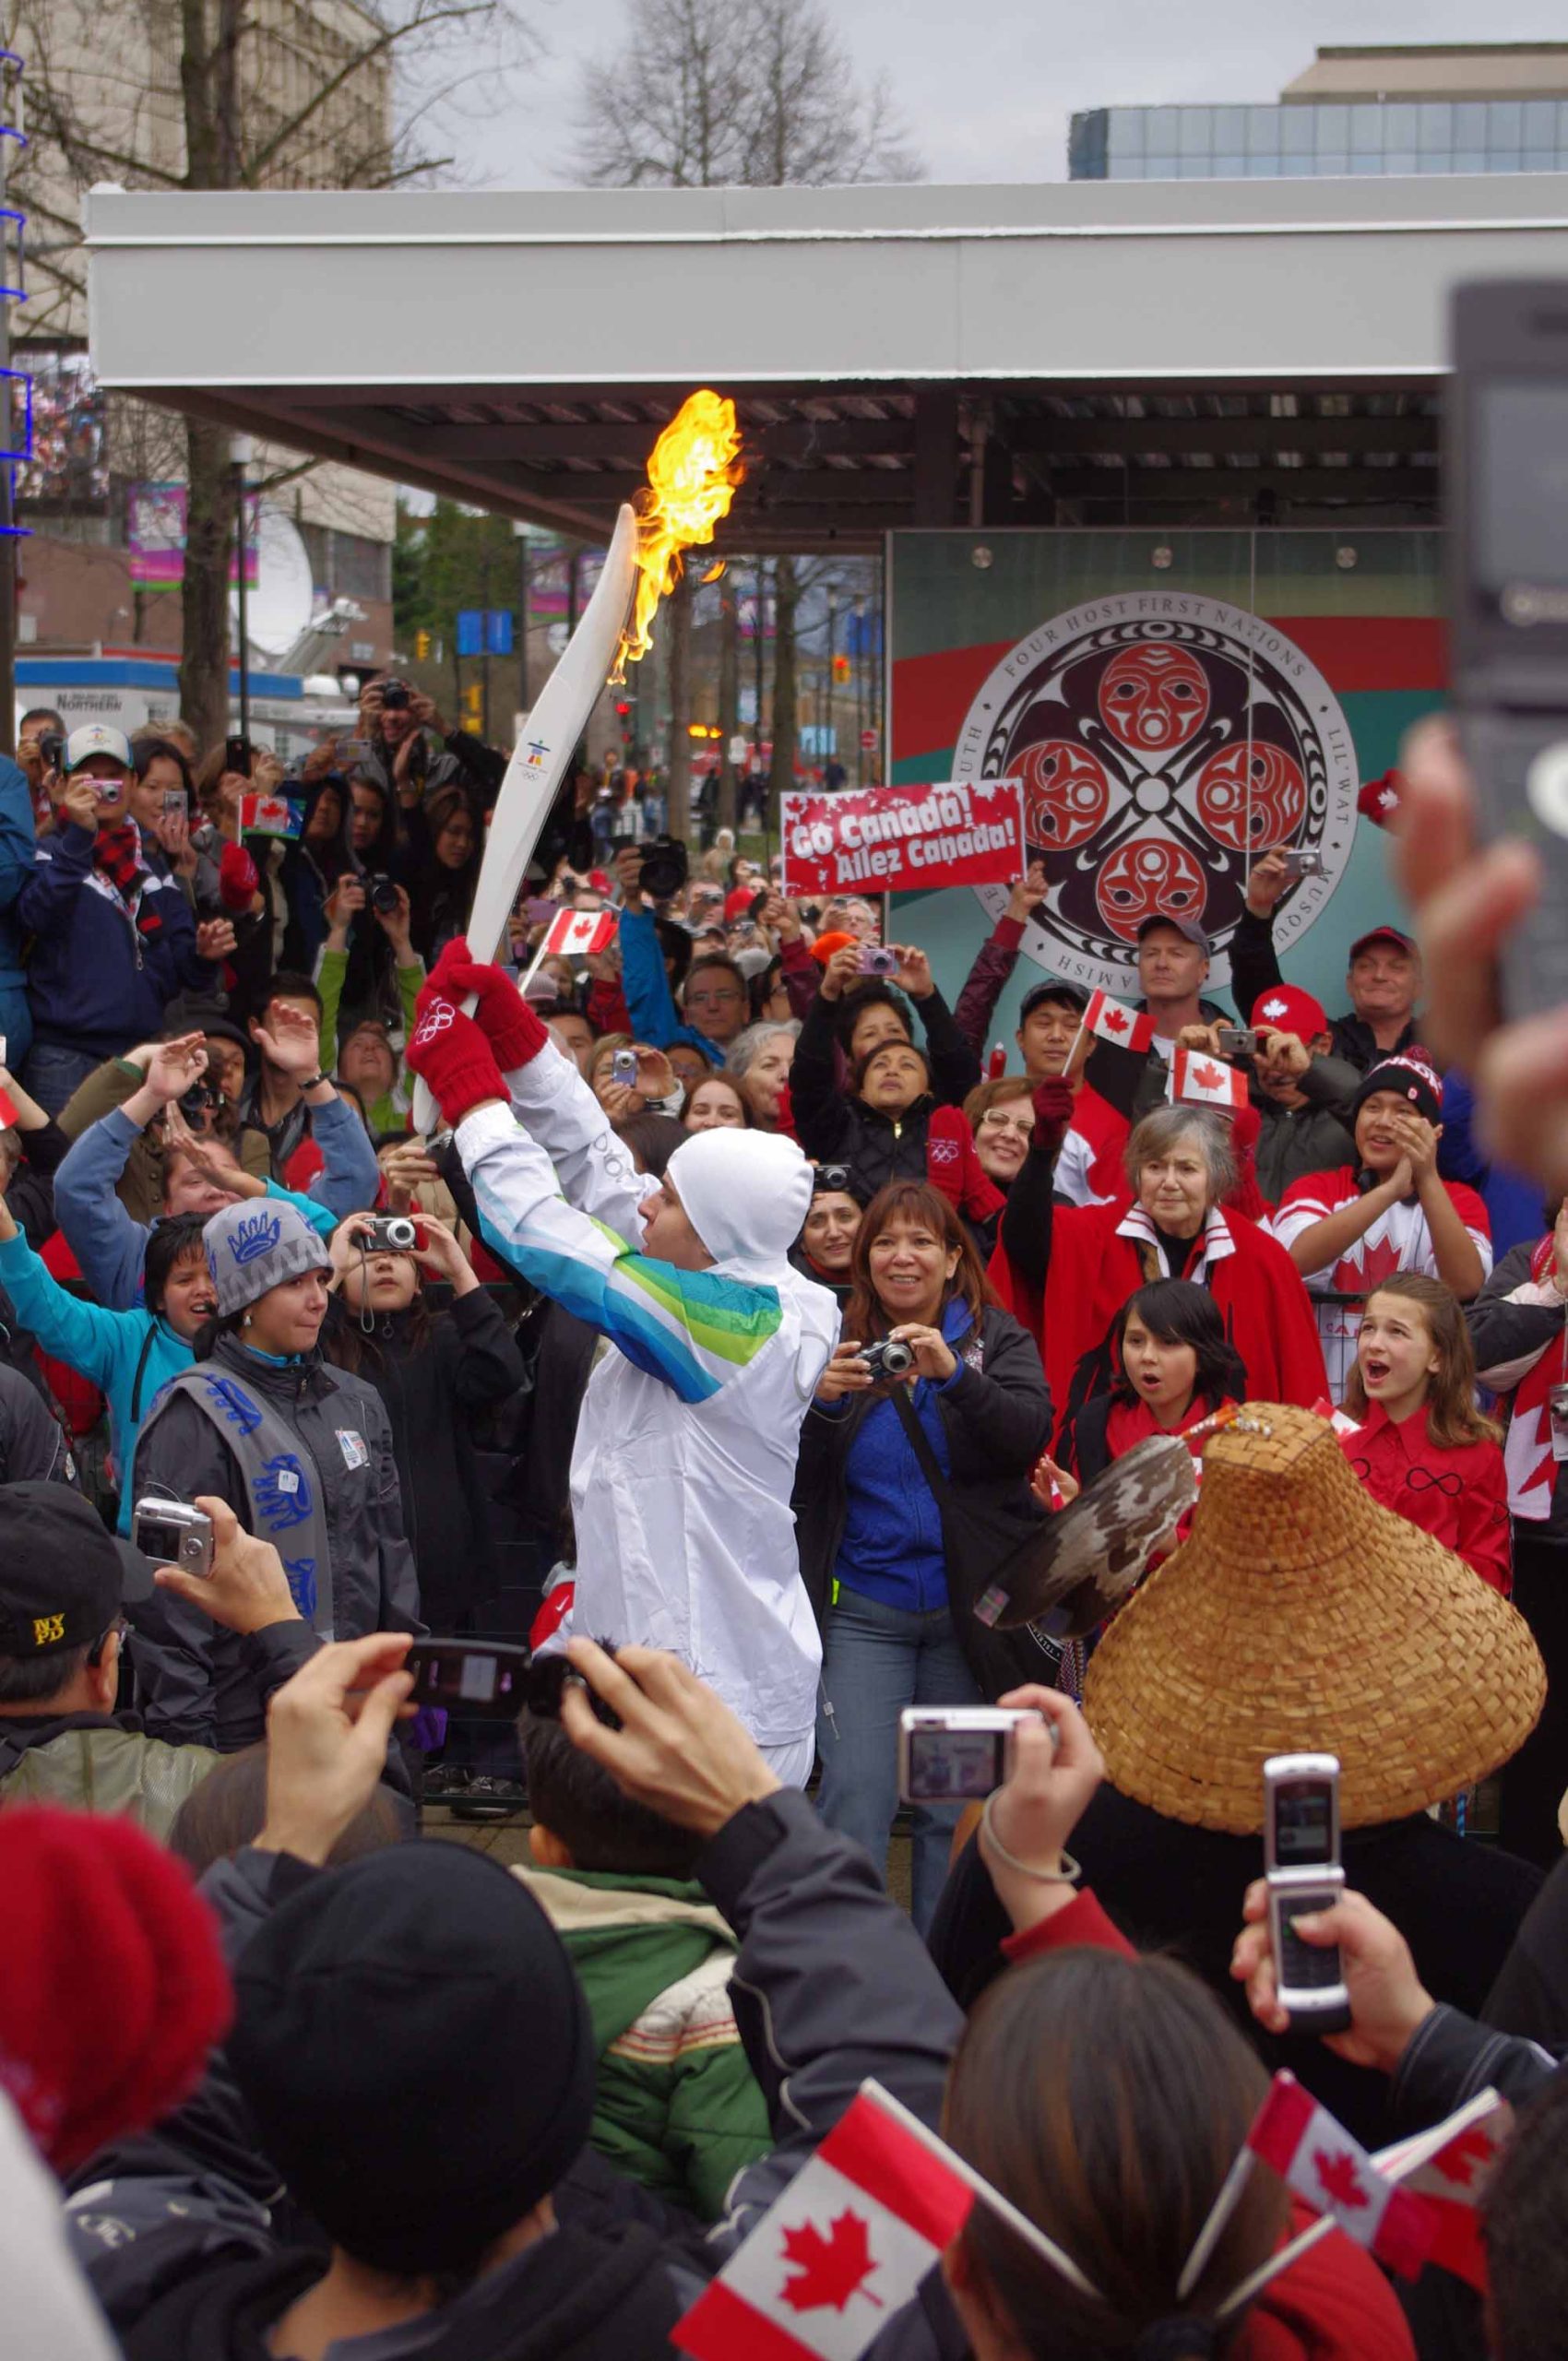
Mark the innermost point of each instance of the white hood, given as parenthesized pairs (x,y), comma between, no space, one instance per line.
(747,1193)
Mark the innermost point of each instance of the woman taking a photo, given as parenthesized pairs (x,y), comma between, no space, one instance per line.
(302,1454)
(439,1373)
(908,1489)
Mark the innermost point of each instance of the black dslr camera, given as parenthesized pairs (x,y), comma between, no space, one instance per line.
(394,697)
(381,894)
(665,868)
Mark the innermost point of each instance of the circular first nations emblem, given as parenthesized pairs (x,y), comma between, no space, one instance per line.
(1163,742)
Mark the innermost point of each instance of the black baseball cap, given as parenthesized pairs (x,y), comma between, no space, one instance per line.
(64,1578)
(1052,989)
(1187,928)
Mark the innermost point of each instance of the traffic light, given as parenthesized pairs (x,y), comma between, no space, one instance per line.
(622,706)
(840,667)
(422,646)
(473,703)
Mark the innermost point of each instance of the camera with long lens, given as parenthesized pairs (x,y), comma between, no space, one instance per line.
(381,894)
(888,1358)
(665,868)
(201,1099)
(394,697)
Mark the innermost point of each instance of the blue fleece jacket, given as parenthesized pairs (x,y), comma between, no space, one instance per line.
(96,983)
(891,1546)
(107,1347)
(649,1000)
(111,1247)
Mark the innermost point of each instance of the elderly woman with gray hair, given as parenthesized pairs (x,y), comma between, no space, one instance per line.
(1066,1271)
(758,1063)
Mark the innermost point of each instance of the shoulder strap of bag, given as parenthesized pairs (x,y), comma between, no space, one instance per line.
(919,1443)
(142,1358)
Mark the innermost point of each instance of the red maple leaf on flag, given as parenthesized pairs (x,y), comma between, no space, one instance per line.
(1207,1077)
(1115,1020)
(1336,2172)
(1464,2157)
(830,2270)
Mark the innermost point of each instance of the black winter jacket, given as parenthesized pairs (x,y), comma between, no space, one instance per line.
(996,1416)
(833,1127)
(435,1394)
(1169,1886)
(195,1686)
(1255,969)
(194,2270)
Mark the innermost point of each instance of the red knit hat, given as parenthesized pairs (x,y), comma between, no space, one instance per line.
(239,881)
(1286,1008)
(737,902)
(113,1988)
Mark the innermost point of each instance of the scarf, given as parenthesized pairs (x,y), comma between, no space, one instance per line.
(117,855)
(1527,1447)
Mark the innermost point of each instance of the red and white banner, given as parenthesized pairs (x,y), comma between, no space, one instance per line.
(1198,1080)
(580,934)
(1302,2142)
(832,2260)
(1130,1029)
(903,839)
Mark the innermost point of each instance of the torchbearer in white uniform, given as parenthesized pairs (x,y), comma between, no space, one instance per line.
(689,1430)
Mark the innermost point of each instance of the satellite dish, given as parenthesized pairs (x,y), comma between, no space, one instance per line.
(281,601)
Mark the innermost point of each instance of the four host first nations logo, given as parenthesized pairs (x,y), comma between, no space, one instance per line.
(1163,745)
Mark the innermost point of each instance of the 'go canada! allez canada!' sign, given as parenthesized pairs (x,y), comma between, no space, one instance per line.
(903,839)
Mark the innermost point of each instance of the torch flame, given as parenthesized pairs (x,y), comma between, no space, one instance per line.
(691,476)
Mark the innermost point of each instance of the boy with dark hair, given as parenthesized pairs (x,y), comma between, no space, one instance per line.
(676,2105)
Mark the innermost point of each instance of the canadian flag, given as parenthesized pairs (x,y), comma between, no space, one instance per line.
(832,2260)
(7,1111)
(1451,2180)
(1113,1021)
(269,815)
(1340,1420)
(1204,1081)
(580,934)
(1333,2174)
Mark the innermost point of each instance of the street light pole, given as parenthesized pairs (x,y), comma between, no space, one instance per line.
(242,452)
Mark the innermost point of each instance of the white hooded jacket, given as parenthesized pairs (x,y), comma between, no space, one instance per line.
(689,1432)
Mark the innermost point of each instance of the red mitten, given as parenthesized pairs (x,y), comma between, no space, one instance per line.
(952,1166)
(238,882)
(514,1030)
(511,1025)
(1053,1113)
(450,1053)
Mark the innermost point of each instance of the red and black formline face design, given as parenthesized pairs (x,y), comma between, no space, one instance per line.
(1163,743)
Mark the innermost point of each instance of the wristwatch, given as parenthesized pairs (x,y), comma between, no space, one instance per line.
(316,1082)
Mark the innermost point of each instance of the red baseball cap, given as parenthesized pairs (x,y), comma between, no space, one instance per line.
(1405,943)
(1287,1009)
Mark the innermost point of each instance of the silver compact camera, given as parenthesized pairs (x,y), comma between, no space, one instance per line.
(173,1533)
(956,1754)
(889,1358)
(1301,864)
(1237,1040)
(390,1234)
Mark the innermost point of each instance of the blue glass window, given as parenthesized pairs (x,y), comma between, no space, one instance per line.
(1434,132)
(1195,135)
(1296,130)
(1504,127)
(1263,130)
(1366,131)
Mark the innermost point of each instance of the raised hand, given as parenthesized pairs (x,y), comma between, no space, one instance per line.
(1266,882)
(291,1040)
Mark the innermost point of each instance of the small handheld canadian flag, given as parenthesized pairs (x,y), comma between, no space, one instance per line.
(580,934)
(1115,1021)
(1203,1081)
(847,2242)
(270,815)
(1316,2156)
(1449,2182)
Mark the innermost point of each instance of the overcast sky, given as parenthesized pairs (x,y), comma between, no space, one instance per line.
(986,87)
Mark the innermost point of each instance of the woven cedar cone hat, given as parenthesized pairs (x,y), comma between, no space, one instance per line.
(1299,1617)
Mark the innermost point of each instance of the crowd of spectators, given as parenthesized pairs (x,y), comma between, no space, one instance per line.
(742,1314)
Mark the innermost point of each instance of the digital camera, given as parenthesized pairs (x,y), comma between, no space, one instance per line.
(394,697)
(392,1234)
(173,1533)
(877,960)
(665,868)
(381,892)
(957,1754)
(889,1358)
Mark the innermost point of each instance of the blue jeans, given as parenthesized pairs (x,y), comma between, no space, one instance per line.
(54,1074)
(877,1660)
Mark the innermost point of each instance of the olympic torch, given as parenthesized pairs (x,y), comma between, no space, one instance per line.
(693,473)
